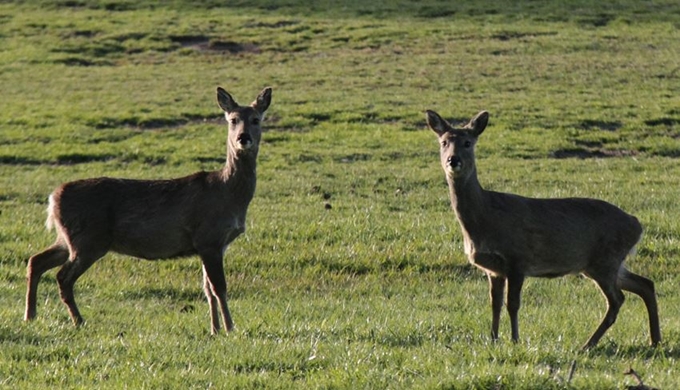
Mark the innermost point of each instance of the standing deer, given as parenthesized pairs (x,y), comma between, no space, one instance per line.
(200,214)
(511,237)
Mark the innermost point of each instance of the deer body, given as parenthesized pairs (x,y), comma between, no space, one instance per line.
(511,237)
(200,214)
(529,237)
(154,219)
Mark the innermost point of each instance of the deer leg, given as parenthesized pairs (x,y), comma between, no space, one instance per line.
(38,264)
(615,299)
(212,302)
(515,283)
(214,270)
(67,277)
(496,289)
(643,287)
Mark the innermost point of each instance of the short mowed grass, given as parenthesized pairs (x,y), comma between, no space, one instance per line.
(351,273)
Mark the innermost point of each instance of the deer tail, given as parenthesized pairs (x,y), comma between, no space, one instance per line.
(49,223)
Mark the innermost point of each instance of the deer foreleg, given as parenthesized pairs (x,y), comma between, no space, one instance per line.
(212,302)
(496,289)
(213,269)
(513,302)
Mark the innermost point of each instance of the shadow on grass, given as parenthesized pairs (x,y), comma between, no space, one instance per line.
(19,336)
(19,160)
(63,159)
(339,267)
(591,124)
(187,297)
(636,351)
(208,44)
(151,123)
(665,121)
(585,152)
(82,158)
(161,293)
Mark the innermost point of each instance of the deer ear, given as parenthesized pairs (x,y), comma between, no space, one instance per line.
(478,123)
(264,99)
(436,123)
(225,101)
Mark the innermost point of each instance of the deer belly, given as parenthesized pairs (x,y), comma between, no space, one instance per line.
(154,247)
(549,270)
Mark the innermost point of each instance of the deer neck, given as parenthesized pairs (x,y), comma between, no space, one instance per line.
(467,201)
(239,174)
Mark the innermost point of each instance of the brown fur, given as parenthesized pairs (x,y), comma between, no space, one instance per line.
(200,214)
(511,237)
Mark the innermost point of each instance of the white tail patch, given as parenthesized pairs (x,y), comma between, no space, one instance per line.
(633,251)
(49,223)
(623,272)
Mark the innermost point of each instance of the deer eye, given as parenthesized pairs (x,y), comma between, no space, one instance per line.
(255,121)
(234,121)
(467,144)
(444,143)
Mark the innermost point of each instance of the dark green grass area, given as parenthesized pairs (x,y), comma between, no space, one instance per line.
(586,13)
(351,273)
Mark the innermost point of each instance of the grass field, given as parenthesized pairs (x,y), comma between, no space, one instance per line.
(375,290)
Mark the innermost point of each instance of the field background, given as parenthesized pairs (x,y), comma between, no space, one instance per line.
(374,292)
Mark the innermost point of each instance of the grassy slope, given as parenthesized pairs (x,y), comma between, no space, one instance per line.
(376,291)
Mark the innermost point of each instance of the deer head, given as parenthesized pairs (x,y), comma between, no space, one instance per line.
(457,145)
(244,122)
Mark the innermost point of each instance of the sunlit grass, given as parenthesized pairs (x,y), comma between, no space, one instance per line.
(351,273)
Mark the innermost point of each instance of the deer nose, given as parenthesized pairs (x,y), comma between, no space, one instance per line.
(454,162)
(245,140)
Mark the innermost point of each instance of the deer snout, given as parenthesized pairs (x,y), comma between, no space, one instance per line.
(245,140)
(454,163)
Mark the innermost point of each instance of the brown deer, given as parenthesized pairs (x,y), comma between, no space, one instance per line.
(511,237)
(200,214)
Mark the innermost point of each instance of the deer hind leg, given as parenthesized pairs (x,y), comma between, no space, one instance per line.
(643,287)
(215,287)
(615,299)
(496,290)
(38,264)
(515,283)
(67,277)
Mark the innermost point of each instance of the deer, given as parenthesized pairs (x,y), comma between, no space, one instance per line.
(200,214)
(511,237)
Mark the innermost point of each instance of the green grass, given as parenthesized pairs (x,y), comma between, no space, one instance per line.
(374,292)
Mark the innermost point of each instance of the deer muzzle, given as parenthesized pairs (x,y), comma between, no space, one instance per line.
(454,163)
(244,140)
